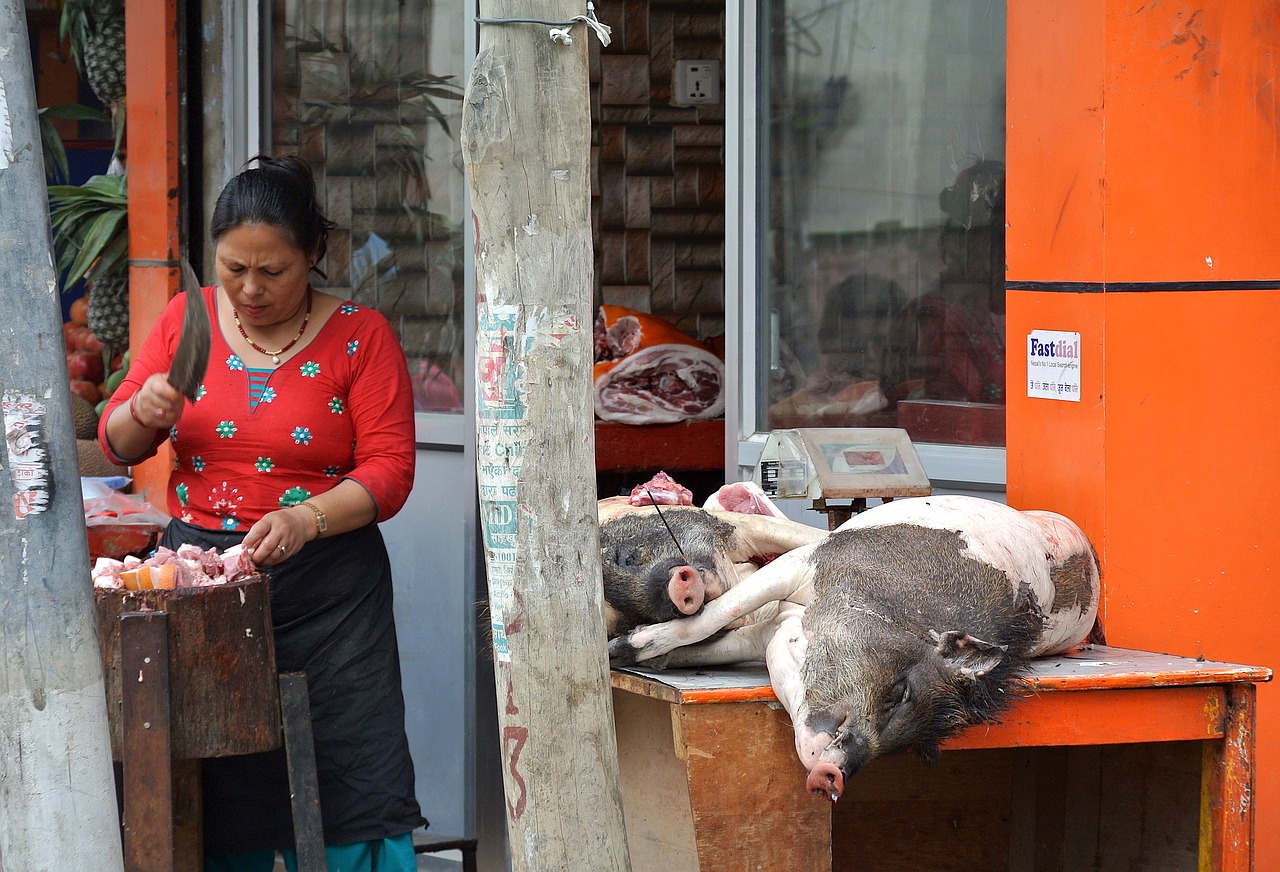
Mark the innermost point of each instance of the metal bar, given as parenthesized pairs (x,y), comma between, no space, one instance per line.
(148,776)
(304,790)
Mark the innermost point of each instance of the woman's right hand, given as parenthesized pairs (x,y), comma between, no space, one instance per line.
(157,404)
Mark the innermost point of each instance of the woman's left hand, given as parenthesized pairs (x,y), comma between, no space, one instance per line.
(277,537)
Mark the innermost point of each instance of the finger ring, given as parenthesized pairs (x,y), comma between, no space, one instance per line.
(284,550)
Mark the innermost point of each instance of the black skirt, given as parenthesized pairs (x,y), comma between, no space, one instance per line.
(332,619)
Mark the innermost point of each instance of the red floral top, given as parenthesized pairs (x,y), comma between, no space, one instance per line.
(340,408)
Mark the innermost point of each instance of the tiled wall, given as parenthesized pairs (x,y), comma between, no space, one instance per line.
(357,92)
(658,167)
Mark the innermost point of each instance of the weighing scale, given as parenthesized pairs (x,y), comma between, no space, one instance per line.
(854,464)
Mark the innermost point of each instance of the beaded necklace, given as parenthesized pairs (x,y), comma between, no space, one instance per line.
(274,355)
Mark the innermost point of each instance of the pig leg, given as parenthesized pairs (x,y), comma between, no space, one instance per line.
(735,646)
(764,534)
(785,657)
(789,578)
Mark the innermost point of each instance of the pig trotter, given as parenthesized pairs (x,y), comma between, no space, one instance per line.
(825,780)
(622,652)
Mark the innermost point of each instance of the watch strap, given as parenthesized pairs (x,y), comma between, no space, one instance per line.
(322,522)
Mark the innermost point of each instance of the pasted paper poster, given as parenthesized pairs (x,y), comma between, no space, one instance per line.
(1053,365)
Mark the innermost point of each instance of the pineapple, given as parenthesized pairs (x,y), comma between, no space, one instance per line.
(109,310)
(90,224)
(96,31)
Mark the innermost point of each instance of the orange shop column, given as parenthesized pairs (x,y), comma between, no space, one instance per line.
(1144,173)
(152,130)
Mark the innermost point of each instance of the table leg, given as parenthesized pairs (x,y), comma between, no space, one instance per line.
(148,778)
(1226,807)
(299,745)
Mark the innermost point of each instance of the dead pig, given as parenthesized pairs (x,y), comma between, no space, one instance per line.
(664,563)
(907,624)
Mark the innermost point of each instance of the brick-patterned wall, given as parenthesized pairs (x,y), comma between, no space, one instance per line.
(356,97)
(658,168)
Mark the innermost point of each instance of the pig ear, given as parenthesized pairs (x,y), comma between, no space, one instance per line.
(968,655)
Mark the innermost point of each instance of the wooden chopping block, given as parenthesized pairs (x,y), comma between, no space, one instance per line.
(224,691)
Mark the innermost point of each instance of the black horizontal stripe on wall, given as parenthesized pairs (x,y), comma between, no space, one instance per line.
(1138,287)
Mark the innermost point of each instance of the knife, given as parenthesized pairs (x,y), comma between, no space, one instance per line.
(191,358)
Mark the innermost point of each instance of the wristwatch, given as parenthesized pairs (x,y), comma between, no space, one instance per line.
(322,523)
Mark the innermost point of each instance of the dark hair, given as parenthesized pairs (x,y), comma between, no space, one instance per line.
(278,192)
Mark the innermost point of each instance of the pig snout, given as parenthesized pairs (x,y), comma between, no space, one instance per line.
(825,780)
(686,589)
(846,754)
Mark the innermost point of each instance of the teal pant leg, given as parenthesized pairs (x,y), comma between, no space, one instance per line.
(394,855)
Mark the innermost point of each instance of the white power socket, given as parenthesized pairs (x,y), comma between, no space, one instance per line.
(696,82)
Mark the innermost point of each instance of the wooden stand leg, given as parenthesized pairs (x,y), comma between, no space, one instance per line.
(148,779)
(188,817)
(1227,815)
(308,831)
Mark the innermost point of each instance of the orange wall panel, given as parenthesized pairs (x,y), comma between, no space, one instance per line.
(1056,448)
(152,146)
(1192,141)
(1172,459)
(1192,460)
(1192,546)
(1055,143)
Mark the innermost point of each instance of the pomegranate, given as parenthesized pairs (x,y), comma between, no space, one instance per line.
(86,365)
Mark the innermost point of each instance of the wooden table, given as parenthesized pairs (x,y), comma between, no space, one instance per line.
(711,781)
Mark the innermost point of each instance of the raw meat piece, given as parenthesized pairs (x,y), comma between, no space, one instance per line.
(648,372)
(614,341)
(744,497)
(193,566)
(663,490)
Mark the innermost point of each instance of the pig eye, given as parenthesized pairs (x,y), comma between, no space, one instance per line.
(897,696)
(626,556)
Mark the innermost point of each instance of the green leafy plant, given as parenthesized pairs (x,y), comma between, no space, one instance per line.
(91,227)
(55,153)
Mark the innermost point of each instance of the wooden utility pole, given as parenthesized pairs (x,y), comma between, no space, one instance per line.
(526,141)
(57,791)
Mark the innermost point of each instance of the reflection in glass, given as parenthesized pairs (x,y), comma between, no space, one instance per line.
(883,217)
(370,94)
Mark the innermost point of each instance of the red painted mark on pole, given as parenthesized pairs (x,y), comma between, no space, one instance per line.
(512,708)
(518,735)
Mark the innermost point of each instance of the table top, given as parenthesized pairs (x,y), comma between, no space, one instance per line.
(1089,667)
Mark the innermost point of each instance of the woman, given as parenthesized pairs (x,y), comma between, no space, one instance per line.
(300,439)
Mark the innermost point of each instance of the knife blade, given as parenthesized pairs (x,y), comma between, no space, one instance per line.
(191,358)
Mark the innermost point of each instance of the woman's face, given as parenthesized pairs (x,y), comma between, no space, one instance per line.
(263,273)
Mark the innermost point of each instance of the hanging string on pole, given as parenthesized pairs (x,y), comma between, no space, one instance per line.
(560,30)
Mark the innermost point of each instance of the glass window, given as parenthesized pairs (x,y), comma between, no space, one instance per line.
(882,217)
(370,94)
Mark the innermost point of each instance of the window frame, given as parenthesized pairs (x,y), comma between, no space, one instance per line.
(963,467)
